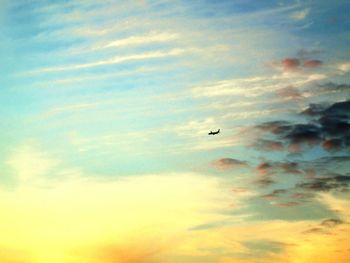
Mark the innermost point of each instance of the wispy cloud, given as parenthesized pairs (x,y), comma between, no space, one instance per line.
(300,15)
(114,60)
(137,40)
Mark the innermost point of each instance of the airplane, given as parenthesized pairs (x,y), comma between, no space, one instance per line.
(213,133)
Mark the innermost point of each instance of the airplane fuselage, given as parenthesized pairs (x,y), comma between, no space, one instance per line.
(214,133)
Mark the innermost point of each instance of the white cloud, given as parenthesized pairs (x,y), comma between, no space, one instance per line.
(344,67)
(253,87)
(30,164)
(301,14)
(114,60)
(137,40)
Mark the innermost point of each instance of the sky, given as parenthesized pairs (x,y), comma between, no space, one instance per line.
(105,112)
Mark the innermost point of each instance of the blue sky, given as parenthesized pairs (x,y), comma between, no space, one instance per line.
(114,94)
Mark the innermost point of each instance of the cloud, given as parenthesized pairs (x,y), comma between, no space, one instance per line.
(302,53)
(138,40)
(325,165)
(297,64)
(332,222)
(302,195)
(275,127)
(331,86)
(332,144)
(290,64)
(264,182)
(303,134)
(220,224)
(338,109)
(334,121)
(315,230)
(112,61)
(274,194)
(314,109)
(289,93)
(300,15)
(30,164)
(254,86)
(325,184)
(290,167)
(312,63)
(264,168)
(229,163)
(329,126)
(344,67)
(270,168)
(286,204)
(325,227)
(263,248)
(269,145)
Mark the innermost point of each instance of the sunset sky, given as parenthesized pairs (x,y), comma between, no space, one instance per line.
(105,111)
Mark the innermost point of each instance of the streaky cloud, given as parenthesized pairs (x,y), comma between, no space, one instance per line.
(112,61)
(229,163)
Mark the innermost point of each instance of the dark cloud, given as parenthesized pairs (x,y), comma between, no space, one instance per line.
(314,109)
(264,182)
(332,144)
(274,194)
(329,127)
(302,195)
(327,165)
(275,127)
(264,168)
(304,134)
(229,163)
(334,126)
(332,160)
(270,168)
(295,135)
(325,184)
(316,230)
(331,86)
(325,227)
(338,109)
(317,185)
(308,183)
(314,63)
(290,167)
(332,222)
(286,204)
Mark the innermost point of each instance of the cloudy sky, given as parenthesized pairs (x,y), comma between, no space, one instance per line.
(105,112)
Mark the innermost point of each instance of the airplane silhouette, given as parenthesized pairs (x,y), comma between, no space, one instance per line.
(213,133)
